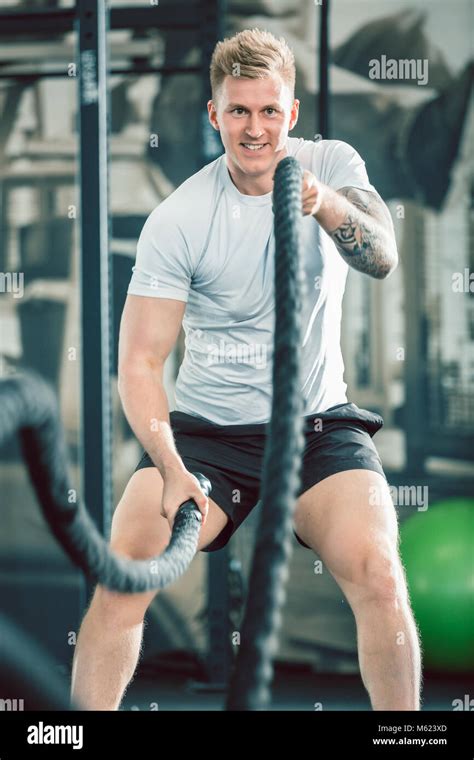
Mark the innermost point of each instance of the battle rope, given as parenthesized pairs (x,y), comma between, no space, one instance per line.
(253,670)
(28,406)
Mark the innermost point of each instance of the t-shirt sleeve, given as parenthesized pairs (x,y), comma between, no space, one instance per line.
(163,266)
(345,168)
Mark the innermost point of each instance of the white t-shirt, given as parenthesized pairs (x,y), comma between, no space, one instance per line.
(211,246)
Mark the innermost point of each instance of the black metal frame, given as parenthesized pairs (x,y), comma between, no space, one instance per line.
(324,60)
(178,15)
(95,265)
(32,76)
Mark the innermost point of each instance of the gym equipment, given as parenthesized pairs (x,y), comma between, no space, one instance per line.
(28,405)
(437,549)
(250,680)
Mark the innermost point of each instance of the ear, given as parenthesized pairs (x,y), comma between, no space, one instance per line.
(212,113)
(294,114)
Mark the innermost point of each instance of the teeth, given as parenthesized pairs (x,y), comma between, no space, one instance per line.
(254,147)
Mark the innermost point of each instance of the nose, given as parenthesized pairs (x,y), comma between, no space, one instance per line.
(253,128)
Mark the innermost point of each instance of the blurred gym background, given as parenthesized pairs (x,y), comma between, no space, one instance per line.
(408,341)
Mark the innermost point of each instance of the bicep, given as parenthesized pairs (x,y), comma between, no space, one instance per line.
(149,329)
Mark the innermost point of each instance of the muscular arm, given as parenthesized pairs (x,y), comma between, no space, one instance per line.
(360,224)
(148,331)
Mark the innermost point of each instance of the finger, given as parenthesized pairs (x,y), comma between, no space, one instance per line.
(203,504)
(308,188)
(311,193)
(205,511)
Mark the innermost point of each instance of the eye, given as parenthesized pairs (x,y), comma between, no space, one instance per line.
(242,110)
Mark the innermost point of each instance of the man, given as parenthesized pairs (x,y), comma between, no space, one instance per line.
(205,259)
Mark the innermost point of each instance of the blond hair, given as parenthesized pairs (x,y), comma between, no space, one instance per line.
(254,54)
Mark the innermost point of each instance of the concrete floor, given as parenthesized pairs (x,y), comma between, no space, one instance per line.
(293,689)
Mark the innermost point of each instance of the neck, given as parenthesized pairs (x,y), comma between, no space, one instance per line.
(251,185)
(248,185)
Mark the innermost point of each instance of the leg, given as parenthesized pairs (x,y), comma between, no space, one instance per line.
(108,645)
(349,520)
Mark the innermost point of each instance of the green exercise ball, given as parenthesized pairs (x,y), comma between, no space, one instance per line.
(437,549)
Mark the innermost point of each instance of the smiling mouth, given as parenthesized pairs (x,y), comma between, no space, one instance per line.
(254,147)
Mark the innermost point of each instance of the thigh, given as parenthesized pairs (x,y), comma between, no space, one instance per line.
(347,519)
(230,456)
(139,531)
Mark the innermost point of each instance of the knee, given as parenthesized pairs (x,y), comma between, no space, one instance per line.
(120,610)
(379,577)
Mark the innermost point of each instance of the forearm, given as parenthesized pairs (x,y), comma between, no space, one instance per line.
(364,242)
(146,408)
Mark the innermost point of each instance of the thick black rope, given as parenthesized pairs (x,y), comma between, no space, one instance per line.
(28,406)
(253,672)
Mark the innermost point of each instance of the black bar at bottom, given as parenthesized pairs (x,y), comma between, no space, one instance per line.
(370,734)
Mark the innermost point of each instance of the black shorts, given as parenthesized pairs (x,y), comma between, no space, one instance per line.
(231,456)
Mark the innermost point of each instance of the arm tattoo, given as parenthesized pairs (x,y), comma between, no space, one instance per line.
(366,239)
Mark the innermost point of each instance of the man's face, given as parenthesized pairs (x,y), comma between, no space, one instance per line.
(254,112)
